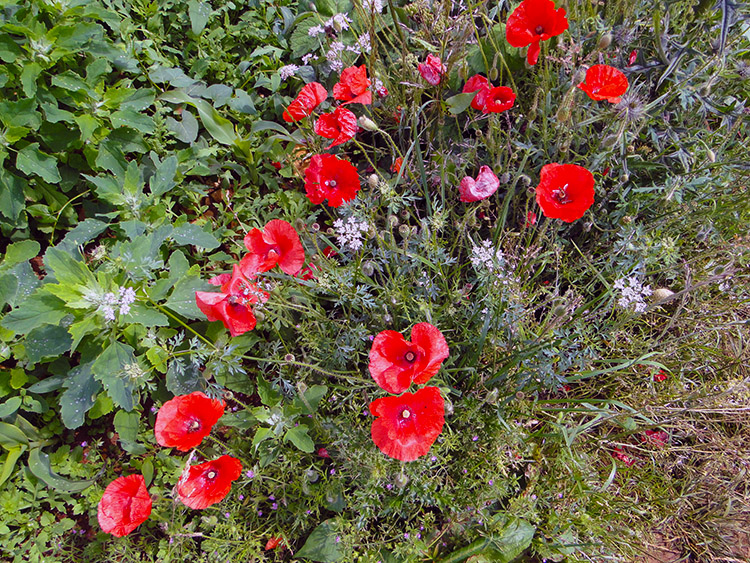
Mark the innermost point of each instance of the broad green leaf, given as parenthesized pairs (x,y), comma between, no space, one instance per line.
(139,100)
(88,325)
(147,470)
(182,299)
(20,114)
(40,467)
(70,81)
(511,542)
(114,368)
(133,119)
(87,124)
(67,269)
(40,308)
(183,378)
(21,251)
(82,233)
(9,50)
(219,93)
(17,284)
(242,102)
(199,12)
(10,463)
(458,103)
(31,160)
(126,426)
(220,128)
(163,179)
(190,233)
(145,315)
(185,130)
(12,199)
(268,395)
(321,544)
(10,406)
(47,341)
(312,398)
(299,437)
(48,384)
(54,114)
(79,396)
(12,436)
(29,74)
(174,76)
(261,435)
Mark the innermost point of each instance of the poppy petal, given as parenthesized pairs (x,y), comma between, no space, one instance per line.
(207,483)
(483,187)
(332,178)
(432,341)
(183,422)
(124,506)
(310,97)
(565,191)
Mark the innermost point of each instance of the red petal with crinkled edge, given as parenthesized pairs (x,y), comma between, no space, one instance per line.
(278,243)
(332,178)
(534,21)
(352,86)
(565,191)
(408,425)
(483,187)
(604,82)
(124,506)
(340,125)
(481,86)
(183,422)
(432,70)
(310,97)
(207,483)
(499,99)
(432,341)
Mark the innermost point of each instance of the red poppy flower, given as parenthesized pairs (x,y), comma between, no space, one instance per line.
(604,82)
(620,454)
(352,87)
(499,99)
(125,505)
(396,166)
(332,178)
(432,69)
(341,126)
(661,376)
(233,306)
(208,483)
(530,219)
(310,97)
(565,191)
(406,426)
(481,86)
(483,187)
(274,542)
(658,438)
(534,21)
(395,362)
(278,243)
(183,422)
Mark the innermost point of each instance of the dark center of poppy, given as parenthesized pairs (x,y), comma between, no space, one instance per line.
(194,425)
(211,474)
(406,413)
(539,30)
(561,195)
(410,356)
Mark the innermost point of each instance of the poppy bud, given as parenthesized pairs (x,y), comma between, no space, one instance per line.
(661,294)
(565,146)
(448,407)
(579,76)
(493,74)
(404,230)
(367,124)
(301,385)
(372,181)
(559,310)
(504,178)
(563,114)
(299,224)
(624,178)
(705,90)
(401,480)
(368,269)
(289,358)
(525,180)
(392,220)
(631,149)
(315,227)
(605,41)
(259,316)
(711,155)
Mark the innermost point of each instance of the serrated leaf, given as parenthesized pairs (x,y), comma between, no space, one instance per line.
(185,130)
(133,119)
(163,179)
(79,395)
(82,233)
(32,161)
(38,309)
(21,251)
(20,114)
(261,435)
(300,438)
(199,13)
(182,299)
(67,269)
(40,467)
(12,199)
(183,378)
(321,544)
(47,341)
(109,368)
(190,233)
(9,50)
(268,395)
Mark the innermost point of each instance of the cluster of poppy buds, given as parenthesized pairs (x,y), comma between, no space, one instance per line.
(181,423)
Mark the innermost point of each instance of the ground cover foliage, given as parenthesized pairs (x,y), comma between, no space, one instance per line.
(596,390)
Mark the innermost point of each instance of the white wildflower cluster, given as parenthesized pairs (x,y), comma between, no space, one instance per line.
(485,257)
(373,6)
(349,233)
(632,293)
(110,301)
(316,30)
(333,56)
(362,45)
(288,71)
(307,58)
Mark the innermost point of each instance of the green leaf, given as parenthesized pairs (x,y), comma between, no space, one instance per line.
(21,251)
(10,406)
(183,379)
(133,119)
(9,50)
(140,100)
(87,124)
(185,130)
(40,467)
(199,13)
(126,426)
(144,315)
(220,128)
(67,269)
(29,74)
(458,103)
(511,542)
(17,284)
(11,436)
(79,396)
(47,341)
(10,463)
(312,398)
(31,160)
(20,114)
(12,199)
(268,395)
(190,233)
(110,369)
(261,435)
(163,179)
(147,470)
(40,308)
(299,437)
(321,544)
(82,233)
(87,325)
(182,299)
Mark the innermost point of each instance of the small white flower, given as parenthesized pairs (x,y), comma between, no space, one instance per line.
(339,22)
(315,30)
(632,293)
(288,71)
(373,6)
(349,233)
(306,59)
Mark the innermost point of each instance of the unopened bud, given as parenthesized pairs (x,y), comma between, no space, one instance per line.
(563,114)
(661,294)
(367,124)
(705,90)
(372,181)
(404,230)
(624,178)
(605,41)
(260,316)
(493,74)
(525,180)
(289,358)
(368,268)
(711,155)
(504,178)
(401,480)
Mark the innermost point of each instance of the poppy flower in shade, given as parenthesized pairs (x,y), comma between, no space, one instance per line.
(406,426)
(395,362)
(125,505)
(499,99)
(310,97)
(183,422)
(341,126)
(432,70)
(332,178)
(278,243)
(208,483)
(534,21)
(274,542)
(481,86)
(565,191)
(483,187)
(397,164)
(233,306)
(352,87)
(604,82)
